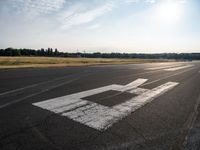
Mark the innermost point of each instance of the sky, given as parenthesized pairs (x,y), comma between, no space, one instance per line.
(126,26)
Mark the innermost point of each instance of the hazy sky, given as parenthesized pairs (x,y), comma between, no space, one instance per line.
(101,25)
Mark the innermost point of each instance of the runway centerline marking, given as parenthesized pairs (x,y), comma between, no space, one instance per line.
(101,117)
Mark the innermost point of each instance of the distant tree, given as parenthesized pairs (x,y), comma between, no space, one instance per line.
(2,52)
(49,52)
(56,52)
(42,52)
(9,51)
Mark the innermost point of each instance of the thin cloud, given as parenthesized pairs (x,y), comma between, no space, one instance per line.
(136,1)
(37,7)
(131,1)
(77,15)
(150,1)
(183,1)
(94,26)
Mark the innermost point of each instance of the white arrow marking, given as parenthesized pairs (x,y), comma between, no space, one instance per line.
(98,116)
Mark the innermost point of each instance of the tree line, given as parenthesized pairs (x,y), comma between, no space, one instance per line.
(49,52)
(29,52)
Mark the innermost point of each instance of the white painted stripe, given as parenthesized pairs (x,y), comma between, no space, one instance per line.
(167,77)
(132,85)
(95,116)
(93,91)
(76,98)
(86,112)
(98,116)
(73,99)
(60,105)
(31,86)
(137,102)
(138,91)
(161,67)
(178,68)
(87,93)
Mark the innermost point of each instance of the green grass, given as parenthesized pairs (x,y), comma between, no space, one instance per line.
(29,62)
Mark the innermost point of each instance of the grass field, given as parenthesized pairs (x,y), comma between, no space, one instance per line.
(35,62)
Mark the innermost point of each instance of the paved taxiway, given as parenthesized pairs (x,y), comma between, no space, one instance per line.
(139,106)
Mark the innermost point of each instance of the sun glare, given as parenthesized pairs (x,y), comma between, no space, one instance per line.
(169,12)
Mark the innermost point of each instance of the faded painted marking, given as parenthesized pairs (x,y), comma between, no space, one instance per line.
(93,91)
(98,116)
(137,102)
(178,68)
(138,91)
(132,85)
(31,86)
(161,67)
(61,105)
(94,115)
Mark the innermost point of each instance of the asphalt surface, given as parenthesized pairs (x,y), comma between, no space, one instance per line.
(169,120)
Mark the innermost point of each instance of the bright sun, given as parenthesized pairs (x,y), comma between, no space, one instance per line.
(169,12)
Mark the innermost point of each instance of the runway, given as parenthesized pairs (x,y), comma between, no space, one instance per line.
(136,106)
